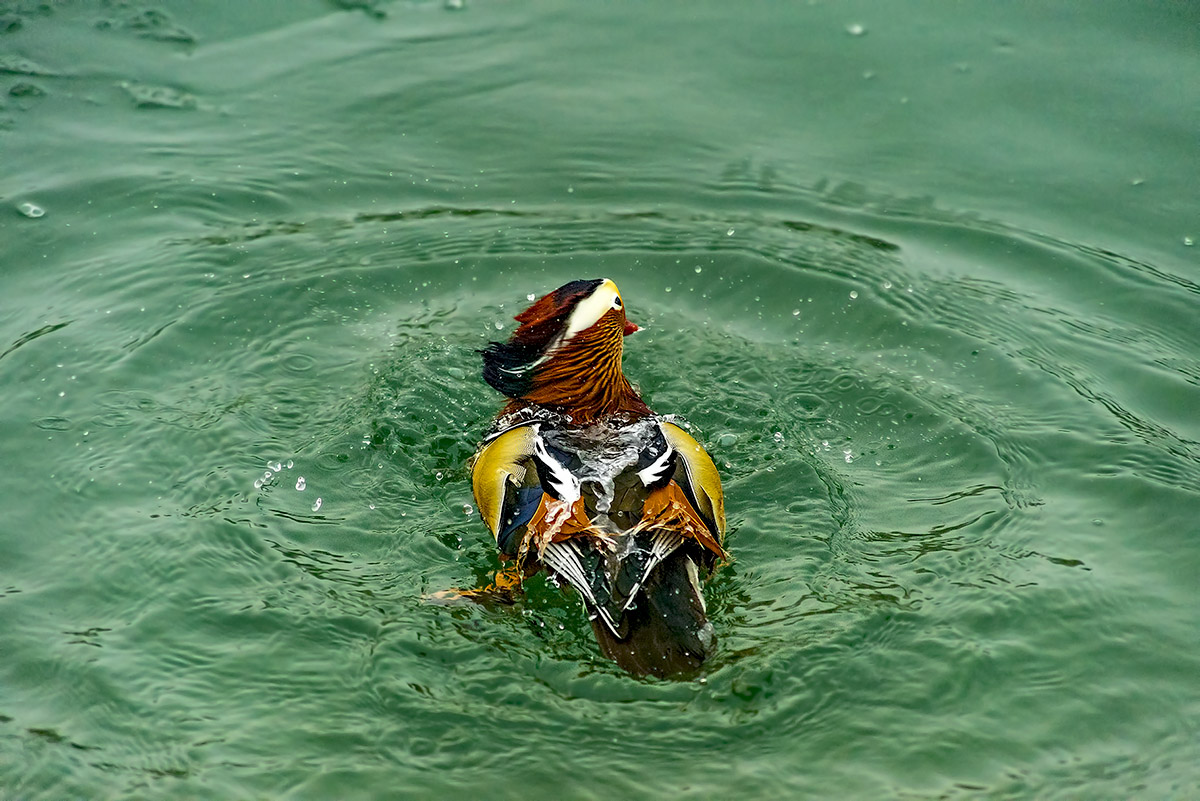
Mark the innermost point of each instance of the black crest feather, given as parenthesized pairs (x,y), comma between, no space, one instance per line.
(505,366)
(508,366)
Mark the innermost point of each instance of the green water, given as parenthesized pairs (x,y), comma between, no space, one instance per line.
(920,275)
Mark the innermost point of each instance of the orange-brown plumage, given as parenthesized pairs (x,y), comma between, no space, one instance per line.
(584,380)
(668,508)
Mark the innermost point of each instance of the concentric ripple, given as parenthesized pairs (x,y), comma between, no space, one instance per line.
(901,441)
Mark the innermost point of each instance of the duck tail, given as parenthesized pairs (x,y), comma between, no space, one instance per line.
(666,631)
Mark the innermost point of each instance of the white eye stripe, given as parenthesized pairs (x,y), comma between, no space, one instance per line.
(592,308)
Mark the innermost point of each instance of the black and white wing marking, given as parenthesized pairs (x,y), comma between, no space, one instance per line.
(552,468)
(610,583)
(662,543)
(564,558)
(657,462)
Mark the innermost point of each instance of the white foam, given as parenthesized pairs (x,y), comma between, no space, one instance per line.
(604,451)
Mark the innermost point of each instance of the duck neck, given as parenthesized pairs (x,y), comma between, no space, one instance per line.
(583,380)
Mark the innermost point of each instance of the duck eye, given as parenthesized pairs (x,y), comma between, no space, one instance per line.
(616,303)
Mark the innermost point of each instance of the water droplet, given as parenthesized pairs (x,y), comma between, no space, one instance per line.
(438,475)
(371,506)
(699,269)
(317,505)
(530,296)
(849,456)
(291,464)
(855,29)
(1187,240)
(276,466)
(468,508)
(795,312)
(887,284)
(729,232)
(258,483)
(499,325)
(725,440)
(853,294)
(31,210)
(301,484)
(778,436)
(267,474)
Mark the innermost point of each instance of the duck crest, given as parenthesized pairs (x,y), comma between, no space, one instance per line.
(508,366)
(566,355)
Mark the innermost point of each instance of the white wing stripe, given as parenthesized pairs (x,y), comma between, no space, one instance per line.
(560,477)
(661,547)
(658,469)
(564,560)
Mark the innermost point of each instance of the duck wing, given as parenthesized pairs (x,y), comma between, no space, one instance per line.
(635,558)
(699,480)
(506,485)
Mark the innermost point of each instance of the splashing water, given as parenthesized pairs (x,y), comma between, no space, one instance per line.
(604,451)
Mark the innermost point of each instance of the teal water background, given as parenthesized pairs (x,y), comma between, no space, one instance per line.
(922,276)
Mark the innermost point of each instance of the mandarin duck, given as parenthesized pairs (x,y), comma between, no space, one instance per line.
(578,477)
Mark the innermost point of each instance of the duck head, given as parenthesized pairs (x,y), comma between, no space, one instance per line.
(566,354)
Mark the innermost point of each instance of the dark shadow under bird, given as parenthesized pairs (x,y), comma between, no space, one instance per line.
(580,478)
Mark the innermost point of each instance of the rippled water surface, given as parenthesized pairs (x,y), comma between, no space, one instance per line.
(922,276)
